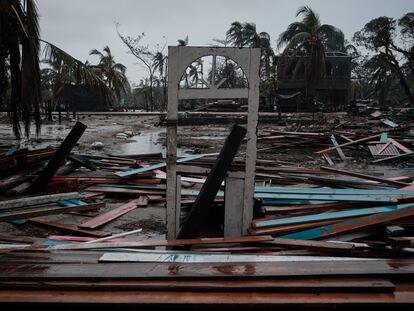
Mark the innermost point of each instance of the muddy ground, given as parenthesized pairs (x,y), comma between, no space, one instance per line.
(146,134)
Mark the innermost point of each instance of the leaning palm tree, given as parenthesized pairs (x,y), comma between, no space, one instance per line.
(19,64)
(112,72)
(306,42)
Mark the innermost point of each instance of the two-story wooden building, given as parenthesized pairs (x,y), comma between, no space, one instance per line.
(333,92)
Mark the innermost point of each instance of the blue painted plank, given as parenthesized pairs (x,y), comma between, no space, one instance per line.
(384,138)
(324,190)
(328,216)
(12,150)
(18,221)
(323,197)
(267,202)
(161,165)
(71,202)
(320,232)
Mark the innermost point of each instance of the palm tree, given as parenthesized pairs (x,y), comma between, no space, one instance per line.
(309,39)
(183,42)
(161,64)
(235,34)
(246,35)
(112,72)
(19,64)
(19,49)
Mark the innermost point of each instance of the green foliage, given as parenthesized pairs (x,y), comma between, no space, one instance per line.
(112,73)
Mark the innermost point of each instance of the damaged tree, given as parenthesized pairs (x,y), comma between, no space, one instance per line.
(380,36)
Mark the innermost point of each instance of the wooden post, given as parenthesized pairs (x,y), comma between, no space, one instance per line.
(178,205)
(252,119)
(58,159)
(172,117)
(233,211)
(208,192)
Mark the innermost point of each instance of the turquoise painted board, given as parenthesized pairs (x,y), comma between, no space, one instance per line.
(328,216)
(334,191)
(320,232)
(267,202)
(12,150)
(322,197)
(71,202)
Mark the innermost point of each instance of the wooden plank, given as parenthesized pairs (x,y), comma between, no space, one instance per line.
(111,215)
(207,258)
(58,158)
(85,162)
(286,285)
(366,177)
(350,191)
(399,146)
(403,268)
(201,207)
(327,216)
(338,149)
(69,228)
(311,245)
(46,210)
(127,191)
(398,157)
(27,201)
(312,208)
(328,159)
(352,224)
(283,230)
(328,197)
(251,144)
(349,143)
(153,243)
(115,236)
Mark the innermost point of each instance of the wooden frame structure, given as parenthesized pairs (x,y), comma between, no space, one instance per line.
(248,60)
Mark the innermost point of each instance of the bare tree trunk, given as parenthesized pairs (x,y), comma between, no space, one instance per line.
(151,97)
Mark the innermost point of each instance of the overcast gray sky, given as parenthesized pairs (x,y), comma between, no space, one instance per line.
(78,26)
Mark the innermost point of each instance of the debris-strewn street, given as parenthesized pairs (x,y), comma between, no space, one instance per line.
(252,155)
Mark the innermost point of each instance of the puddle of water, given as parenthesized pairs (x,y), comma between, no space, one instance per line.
(147,142)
